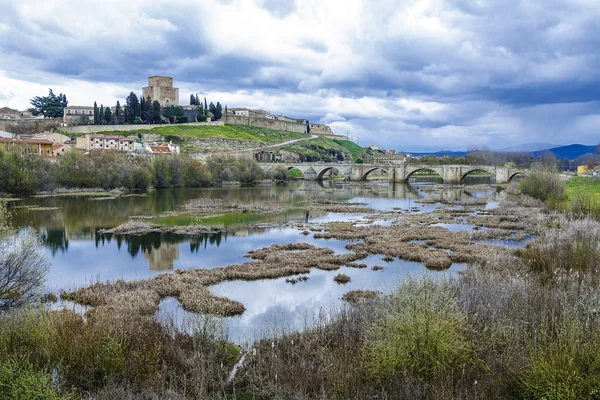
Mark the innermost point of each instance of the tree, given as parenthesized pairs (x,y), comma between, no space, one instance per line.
(118,113)
(219,111)
(192,100)
(213,110)
(173,112)
(107,115)
(132,108)
(145,106)
(201,115)
(96,114)
(50,106)
(198,101)
(205,106)
(23,264)
(156,112)
(102,122)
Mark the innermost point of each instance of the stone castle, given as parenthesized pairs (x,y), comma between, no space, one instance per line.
(160,88)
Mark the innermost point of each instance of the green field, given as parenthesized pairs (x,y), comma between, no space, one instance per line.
(325,149)
(581,185)
(179,133)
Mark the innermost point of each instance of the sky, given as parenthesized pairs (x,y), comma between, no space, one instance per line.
(423,75)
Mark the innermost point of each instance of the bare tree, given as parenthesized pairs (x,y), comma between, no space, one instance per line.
(23,264)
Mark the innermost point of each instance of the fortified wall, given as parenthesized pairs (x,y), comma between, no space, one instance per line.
(265,123)
(29,126)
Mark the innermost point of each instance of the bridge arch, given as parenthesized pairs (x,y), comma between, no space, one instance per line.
(514,175)
(489,171)
(435,170)
(325,170)
(295,172)
(370,170)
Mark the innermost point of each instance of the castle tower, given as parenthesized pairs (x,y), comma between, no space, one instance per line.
(160,88)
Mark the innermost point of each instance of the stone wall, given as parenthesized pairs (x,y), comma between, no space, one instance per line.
(30,126)
(265,123)
(83,129)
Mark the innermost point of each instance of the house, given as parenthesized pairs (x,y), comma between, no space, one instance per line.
(59,150)
(81,115)
(163,148)
(27,146)
(105,142)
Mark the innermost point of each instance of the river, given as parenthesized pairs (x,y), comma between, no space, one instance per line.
(68,227)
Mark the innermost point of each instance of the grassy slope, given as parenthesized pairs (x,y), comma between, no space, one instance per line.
(323,148)
(233,132)
(581,185)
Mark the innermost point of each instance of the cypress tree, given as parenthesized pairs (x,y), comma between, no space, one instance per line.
(101,116)
(96,112)
(118,113)
(155,112)
(198,101)
(107,115)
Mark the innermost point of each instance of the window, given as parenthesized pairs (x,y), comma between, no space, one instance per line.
(68,111)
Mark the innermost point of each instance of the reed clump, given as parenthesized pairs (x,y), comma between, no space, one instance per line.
(355,296)
(341,278)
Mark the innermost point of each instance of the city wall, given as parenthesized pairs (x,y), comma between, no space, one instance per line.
(83,129)
(28,126)
(265,123)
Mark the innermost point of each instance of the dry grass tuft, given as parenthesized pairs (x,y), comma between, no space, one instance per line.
(355,296)
(341,278)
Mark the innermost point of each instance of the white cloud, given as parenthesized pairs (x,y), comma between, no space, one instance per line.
(427,73)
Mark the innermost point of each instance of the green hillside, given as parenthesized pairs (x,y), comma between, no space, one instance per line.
(327,150)
(200,132)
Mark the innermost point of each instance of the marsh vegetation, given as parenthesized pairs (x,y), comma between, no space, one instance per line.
(517,322)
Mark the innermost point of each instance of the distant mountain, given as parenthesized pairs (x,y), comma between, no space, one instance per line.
(570,152)
(442,153)
(530,147)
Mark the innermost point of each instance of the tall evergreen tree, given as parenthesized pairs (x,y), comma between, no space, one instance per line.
(213,110)
(96,114)
(219,111)
(107,115)
(155,112)
(198,100)
(132,110)
(192,100)
(51,106)
(101,116)
(118,113)
(205,106)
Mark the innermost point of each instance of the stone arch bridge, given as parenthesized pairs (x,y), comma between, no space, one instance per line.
(395,172)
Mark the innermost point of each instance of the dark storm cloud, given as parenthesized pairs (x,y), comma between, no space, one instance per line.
(493,71)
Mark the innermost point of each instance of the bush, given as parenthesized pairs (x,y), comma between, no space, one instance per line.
(421,334)
(563,363)
(544,183)
(23,269)
(19,380)
(571,248)
(182,119)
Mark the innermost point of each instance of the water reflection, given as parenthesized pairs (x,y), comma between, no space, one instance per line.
(81,255)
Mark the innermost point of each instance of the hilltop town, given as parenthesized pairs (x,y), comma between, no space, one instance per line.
(156,123)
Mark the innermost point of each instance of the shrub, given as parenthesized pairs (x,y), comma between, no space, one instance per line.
(563,363)
(279,173)
(19,379)
(544,183)
(23,269)
(572,247)
(421,334)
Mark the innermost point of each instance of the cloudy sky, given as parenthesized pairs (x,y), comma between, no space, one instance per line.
(410,75)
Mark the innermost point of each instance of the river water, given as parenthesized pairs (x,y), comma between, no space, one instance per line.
(68,226)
